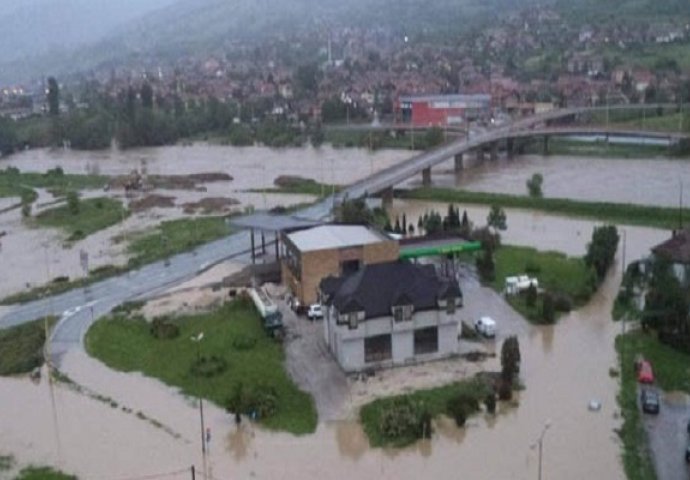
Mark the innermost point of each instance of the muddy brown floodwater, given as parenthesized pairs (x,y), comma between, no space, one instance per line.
(251,167)
(643,181)
(563,367)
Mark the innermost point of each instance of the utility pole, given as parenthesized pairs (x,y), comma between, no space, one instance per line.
(540,443)
(624,270)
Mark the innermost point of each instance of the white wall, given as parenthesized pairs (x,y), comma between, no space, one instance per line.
(348,345)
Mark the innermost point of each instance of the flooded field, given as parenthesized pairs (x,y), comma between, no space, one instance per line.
(251,167)
(563,368)
(653,181)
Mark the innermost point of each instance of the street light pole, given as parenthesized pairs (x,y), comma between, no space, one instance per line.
(197,339)
(540,444)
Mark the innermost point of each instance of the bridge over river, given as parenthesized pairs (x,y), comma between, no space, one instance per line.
(538,126)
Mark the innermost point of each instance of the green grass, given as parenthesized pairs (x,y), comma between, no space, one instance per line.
(361,138)
(556,272)
(126,345)
(14,183)
(565,146)
(637,460)
(433,399)
(175,236)
(21,347)
(616,213)
(304,186)
(94,214)
(43,473)
(663,123)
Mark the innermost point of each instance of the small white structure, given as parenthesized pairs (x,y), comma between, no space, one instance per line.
(518,283)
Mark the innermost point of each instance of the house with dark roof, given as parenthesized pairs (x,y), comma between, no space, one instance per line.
(391,313)
(677,251)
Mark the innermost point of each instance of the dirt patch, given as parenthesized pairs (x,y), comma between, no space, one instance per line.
(152,201)
(210,204)
(137,181)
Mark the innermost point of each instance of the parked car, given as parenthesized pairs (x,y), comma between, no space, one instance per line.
(486,326)
(650,401)
(315,311)
(645,374)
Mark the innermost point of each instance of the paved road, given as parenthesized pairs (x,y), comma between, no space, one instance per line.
(668,437)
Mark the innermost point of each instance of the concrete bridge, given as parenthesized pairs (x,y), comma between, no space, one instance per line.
(490,141)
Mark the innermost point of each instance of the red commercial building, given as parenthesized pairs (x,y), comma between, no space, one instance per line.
(442,110)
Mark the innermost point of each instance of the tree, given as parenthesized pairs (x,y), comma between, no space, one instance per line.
(534,185)
(510,357)
(307,77)
(73,202)
(497,218)
(433,137)
(548,308)
(146,96)
(531,295)
(53,97)
(601,251)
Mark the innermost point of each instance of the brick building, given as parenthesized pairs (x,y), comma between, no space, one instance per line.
(311,254)
(442,110)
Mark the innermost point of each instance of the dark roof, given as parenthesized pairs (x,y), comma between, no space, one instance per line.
(676,248)
(272,223)
(377,287)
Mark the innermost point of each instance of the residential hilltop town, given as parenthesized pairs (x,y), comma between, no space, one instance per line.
(326,239)
(525,59)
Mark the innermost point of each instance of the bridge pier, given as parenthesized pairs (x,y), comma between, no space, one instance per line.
(387,198)
(493,151)
(459,163)
(480,154)
(546,145)
(510,147)
(426,177)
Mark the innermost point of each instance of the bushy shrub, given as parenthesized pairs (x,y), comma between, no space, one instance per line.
(490,402)
(562,302)
(244,342)
(263,401)
(531,295)
(405,419)
(532,267)
(208,367)
(460,407)
(548,308)
(61,279)
(505,390)
(162,329)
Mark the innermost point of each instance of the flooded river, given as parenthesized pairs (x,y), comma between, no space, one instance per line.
(654,181)
(251,167)
(563,366)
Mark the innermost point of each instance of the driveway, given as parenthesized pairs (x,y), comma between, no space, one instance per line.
(311,365)
(668,436)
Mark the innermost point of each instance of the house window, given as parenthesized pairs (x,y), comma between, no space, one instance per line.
(426,340)
(450,305)
(352,320)
(378,348)
(402,314)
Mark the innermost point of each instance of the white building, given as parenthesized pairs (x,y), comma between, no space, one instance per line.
(390,314)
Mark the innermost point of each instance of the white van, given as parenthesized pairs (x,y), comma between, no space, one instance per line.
(486,326)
